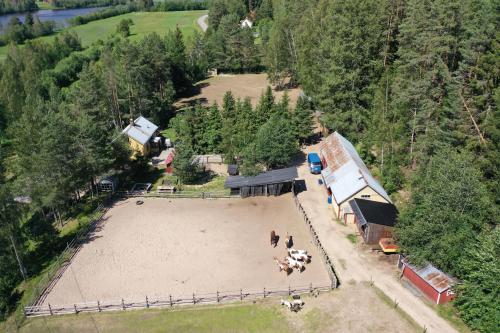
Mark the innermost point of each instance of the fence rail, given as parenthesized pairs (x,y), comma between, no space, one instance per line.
(324,256)
(170,301)
(179,195)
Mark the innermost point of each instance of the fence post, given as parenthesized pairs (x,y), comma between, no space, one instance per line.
(217,296)
(74,305)
(241,294)
(170,297)
(147,302)
(123,304)
(264,292)
(50,310)
(289,290)
(99,306)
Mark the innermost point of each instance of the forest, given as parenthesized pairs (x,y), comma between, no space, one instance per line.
(12,6)
(414,84)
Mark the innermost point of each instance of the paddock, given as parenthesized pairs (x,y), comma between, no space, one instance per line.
(183,246)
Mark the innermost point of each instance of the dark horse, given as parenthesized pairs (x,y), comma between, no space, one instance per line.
(274,238)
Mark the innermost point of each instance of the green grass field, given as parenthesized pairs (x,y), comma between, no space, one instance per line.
(225,318)
(144,23)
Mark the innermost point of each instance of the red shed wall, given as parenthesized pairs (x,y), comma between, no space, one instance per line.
(446,296)
(421,284)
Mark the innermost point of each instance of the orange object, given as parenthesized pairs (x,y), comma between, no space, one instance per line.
(388,245)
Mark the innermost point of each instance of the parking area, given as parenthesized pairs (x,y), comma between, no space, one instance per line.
(185,246)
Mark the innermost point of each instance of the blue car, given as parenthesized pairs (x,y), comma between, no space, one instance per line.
(314,163)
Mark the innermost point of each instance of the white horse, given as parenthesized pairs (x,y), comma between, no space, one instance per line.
(294,305)
(300,255)
(297,264)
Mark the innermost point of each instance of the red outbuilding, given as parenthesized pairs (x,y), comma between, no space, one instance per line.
(429,280)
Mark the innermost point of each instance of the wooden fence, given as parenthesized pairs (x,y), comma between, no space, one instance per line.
(170,301)
(324,256)
(179,195)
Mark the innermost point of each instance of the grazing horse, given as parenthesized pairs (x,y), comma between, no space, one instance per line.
(294,305)
(274,239)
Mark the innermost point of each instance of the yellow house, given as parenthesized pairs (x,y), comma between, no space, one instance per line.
(347,177)
(140,132)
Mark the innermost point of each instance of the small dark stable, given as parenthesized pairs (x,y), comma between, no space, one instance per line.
(274,182)
(375,220)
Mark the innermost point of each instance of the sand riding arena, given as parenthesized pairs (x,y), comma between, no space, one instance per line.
(184,246)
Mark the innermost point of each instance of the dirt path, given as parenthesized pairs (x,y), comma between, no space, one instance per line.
(202,22)
(354,266)
(342,311)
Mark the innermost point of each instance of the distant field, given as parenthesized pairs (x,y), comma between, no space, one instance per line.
(144,23)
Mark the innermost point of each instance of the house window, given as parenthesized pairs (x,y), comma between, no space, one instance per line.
(365,196)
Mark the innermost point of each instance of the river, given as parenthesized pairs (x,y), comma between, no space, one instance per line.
(60,16)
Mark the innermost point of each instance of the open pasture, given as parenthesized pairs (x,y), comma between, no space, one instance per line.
(144,23)
(212,90)
(185,246)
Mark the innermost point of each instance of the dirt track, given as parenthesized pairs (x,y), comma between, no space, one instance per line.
(182,246)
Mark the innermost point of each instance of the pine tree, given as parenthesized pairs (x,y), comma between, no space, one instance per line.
(212,135)
(275,144)
(265,106)
(303,122)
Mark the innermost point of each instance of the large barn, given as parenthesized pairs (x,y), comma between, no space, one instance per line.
(273,182)
(346,176)
(429,280)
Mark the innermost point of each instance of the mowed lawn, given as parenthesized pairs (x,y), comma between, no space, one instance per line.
(144,23)
(225,318)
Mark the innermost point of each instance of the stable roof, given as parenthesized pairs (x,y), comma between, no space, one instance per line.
(433,276)
(375,212)
(264,178)
(345,173)
(141,130)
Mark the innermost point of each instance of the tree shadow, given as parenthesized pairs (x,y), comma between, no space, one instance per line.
(194,90)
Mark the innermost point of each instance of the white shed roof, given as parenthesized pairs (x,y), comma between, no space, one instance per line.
(345,173)
(141,130)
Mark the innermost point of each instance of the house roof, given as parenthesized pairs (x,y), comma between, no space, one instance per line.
(141,130)
(264,178)
(368,211)
(433,276)
(345,173)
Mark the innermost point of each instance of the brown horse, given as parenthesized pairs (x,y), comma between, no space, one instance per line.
(274,239)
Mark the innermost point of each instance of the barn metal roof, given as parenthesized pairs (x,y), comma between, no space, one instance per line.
(265,178)
(141,130)
(433,276)
(345,173)
(369,211)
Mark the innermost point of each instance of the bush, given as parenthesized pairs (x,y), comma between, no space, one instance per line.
(102,14)
(179,5)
